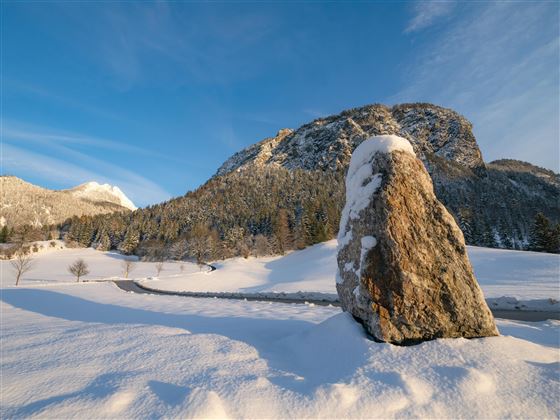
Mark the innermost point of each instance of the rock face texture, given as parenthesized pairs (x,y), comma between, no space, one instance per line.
(327,143)
(403,267)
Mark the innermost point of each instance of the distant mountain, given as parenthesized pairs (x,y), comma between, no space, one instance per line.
(102,193)
(25,203)
(287,191)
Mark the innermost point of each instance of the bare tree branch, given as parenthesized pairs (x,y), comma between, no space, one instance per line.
(21,264)
(79,268)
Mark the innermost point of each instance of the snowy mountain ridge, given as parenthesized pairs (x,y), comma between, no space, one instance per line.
(327,143)
(25,203)
(102,192)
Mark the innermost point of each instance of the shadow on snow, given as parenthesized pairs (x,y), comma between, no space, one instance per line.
(301,354)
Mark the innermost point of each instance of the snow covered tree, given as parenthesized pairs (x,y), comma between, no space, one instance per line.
(262,246)
(464,216)
(159,267)
(104,243)
(79,268)
(200,243)
(555,239)
(179,249)
(282,231)
(539,236)
(130,243)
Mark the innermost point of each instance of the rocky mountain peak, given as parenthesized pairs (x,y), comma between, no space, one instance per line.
(327,143)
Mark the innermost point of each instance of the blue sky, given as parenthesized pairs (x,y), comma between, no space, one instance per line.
(153,97)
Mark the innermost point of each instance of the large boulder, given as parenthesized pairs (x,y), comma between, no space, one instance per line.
(403,269)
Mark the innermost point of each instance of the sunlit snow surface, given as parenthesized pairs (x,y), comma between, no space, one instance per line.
(509,279)
(92,350)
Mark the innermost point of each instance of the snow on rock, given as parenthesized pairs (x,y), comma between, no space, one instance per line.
(361,183)
(98,192)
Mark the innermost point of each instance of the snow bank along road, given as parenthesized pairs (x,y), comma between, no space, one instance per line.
(131,286)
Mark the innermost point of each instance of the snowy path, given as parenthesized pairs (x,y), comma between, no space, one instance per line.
(90,350)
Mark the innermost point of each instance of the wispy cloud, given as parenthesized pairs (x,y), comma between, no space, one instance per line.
(70,172)
(163,41)
(65,158)
(426,13)
(498,65)
(40,92)
(23,132)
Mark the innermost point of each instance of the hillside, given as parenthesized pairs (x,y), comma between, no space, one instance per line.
(287,191)
(25,203)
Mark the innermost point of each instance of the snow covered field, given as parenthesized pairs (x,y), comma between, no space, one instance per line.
(92,350)
(509,279)
(50,266)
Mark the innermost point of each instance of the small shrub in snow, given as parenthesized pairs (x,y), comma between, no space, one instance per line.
(79,268)
(21,264)
(127,266)
(159,267)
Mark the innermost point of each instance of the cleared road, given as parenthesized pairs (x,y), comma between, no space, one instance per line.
(131,286)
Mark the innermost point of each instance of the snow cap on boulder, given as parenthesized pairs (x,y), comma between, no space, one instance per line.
(403,270)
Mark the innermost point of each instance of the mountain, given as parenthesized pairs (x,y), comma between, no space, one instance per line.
(92,191)
(328,143)
(25,203)
(494,203)
(287,191)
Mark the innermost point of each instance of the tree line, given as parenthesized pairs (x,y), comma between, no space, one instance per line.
(264,212)
(270,210)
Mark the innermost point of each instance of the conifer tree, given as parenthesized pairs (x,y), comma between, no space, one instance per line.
(4,234)
(130,242)
(104,242)
(540,234)
(282,231)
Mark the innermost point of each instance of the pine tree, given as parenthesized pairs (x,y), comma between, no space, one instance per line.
(540,239)
(488,237)
(4,234)
(505,235)
(554,246)
(130,242)
(282,231)
(464,219)
(104,242)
